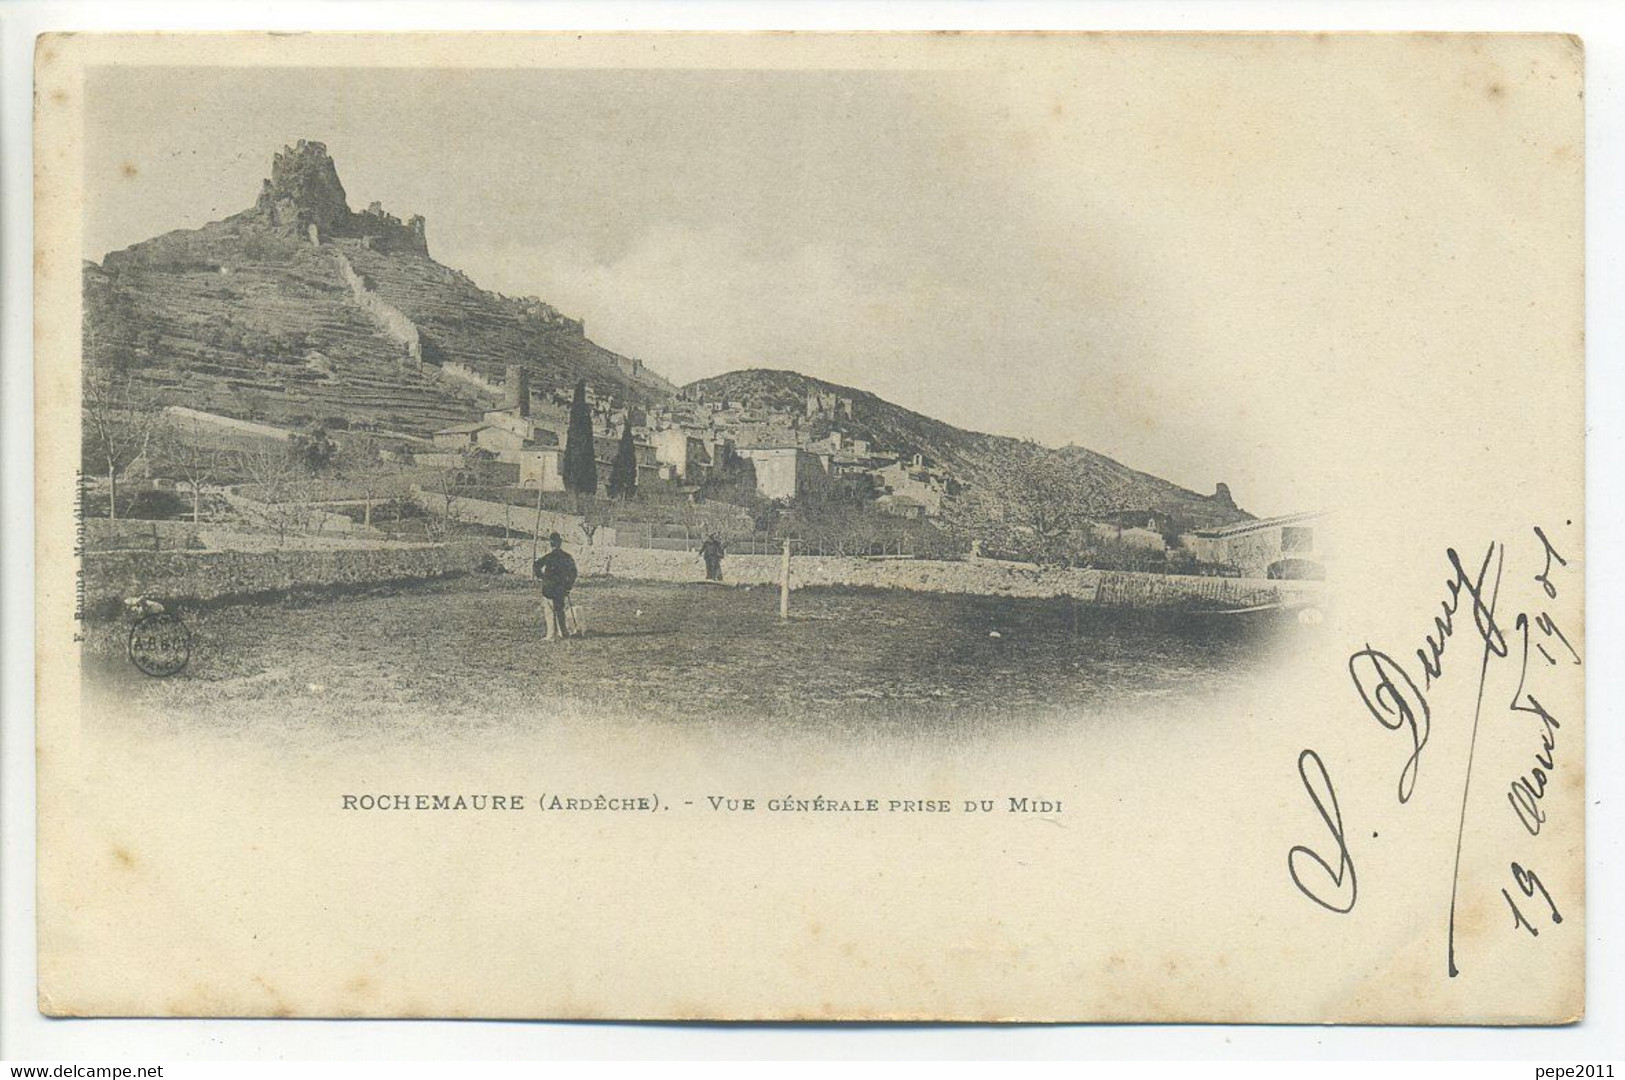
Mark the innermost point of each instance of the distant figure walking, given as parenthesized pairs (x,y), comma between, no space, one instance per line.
(557,571)
(711,551)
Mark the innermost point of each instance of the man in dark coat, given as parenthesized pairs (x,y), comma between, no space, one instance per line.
(711,552)
(558,573)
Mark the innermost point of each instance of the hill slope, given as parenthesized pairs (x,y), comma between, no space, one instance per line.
(1006,480)
(300,308)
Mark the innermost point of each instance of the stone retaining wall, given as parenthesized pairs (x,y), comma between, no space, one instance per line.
(390,320)
(513,517)
(1105,588)
(205,576)
(133,534)
(457,370)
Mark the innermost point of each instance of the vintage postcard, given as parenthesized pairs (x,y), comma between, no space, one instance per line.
(1032,527)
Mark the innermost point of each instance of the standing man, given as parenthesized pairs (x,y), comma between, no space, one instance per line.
(558,574)
(711,551)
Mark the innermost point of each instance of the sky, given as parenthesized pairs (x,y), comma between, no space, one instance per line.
(1160,262)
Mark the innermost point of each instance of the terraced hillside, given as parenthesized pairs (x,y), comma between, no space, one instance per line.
(299,309)
(460,322)
(278,340)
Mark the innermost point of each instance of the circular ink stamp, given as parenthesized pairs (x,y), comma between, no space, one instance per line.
(160,644)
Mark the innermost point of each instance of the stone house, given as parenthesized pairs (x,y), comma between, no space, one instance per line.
(684,452)
(605,448)
(1291,545)
(784,472)
(901,506)
(541,467)
(458,436)
(1146,539)
(914,482)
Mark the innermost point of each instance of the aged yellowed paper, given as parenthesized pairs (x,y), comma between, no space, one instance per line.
(951,527)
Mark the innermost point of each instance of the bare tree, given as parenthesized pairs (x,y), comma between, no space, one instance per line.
(309,492)
(449,485)
(118,424)
(1039,493)
(362,463)
(184,449)
(275,478)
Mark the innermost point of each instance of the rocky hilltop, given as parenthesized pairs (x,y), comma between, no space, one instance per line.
(303,196)
(300,309)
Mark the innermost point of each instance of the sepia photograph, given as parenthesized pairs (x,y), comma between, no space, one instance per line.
(330,465)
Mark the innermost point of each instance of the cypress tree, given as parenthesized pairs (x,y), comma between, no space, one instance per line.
(580,464)
(623,475)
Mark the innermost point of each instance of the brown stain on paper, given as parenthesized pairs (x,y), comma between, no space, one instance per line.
(279,1005)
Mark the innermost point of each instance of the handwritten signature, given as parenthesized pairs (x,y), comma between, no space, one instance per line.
(1312,771)
(1392,694)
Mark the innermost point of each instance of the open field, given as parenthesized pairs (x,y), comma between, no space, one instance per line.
(468,652)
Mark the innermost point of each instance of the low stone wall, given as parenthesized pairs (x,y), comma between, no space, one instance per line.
(234,540)
(1105,588)
(132,534)
(205,576)
(197,418)
(468,375)
(511,516)
(390,320)
(296,518)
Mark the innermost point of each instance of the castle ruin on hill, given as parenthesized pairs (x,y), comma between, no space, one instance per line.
(303,196)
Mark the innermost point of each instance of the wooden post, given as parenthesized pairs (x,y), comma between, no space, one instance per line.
(784,581)
(536,533)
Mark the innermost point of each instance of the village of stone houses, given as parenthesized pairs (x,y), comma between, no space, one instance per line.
(334,469)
